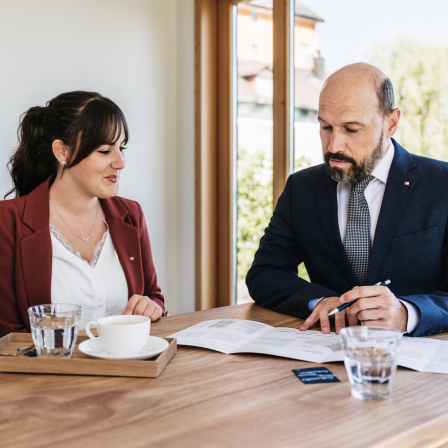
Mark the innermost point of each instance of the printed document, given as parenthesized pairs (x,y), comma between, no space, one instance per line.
(233,336)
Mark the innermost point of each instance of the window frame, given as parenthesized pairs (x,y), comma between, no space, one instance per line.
(215,139)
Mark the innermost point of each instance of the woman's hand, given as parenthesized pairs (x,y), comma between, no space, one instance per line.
(143,306)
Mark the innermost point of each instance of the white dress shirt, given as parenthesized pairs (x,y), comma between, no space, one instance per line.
(374,196)
(99,287)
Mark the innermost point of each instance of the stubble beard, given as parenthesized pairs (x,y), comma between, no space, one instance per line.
(359,170)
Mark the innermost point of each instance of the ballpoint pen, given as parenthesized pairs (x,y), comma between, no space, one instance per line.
(346,305)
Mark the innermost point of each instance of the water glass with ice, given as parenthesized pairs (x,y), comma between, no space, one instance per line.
(371,360)
(54,328)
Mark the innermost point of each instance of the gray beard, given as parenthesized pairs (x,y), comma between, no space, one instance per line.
(359,170)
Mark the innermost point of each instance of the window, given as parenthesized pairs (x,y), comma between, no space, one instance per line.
(244,136)
(306,58)
(309,76)
(254,52)
(257,100)
(254,137)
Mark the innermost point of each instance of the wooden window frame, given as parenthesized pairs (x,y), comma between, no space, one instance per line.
(215,184)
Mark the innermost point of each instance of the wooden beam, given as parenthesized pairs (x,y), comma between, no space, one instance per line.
(206,168)
(214,168)
(226,155)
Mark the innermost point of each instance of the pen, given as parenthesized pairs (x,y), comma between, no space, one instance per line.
(346,305)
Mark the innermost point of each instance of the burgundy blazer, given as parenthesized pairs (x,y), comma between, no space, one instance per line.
(26,254)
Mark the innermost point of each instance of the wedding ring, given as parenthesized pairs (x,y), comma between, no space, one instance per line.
(325,306)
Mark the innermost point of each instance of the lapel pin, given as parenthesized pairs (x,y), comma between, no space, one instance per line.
(406,183)
(131,258)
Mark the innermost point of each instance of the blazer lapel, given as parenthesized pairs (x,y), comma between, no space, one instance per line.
(396,197)
(328,211)
(35,249)
(126,242)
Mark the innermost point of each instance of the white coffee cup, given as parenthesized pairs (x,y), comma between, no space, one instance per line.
(121,335)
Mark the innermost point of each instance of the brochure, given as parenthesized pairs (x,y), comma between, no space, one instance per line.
(231,336)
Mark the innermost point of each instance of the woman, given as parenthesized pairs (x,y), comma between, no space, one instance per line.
(67,237)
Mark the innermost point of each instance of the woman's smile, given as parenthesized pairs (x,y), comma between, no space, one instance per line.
(112,178)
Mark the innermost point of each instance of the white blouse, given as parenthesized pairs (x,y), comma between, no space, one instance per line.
(99,287)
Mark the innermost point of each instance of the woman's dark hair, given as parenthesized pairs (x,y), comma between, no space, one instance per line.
(82,120)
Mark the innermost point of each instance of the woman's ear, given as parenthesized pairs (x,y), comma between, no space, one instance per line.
(60,151)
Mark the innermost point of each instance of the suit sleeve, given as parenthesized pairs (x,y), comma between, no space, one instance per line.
(273,280)
(433,306)
(152,290)
(10,318)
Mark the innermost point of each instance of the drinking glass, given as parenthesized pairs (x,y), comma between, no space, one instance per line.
(54,328)
(371,360)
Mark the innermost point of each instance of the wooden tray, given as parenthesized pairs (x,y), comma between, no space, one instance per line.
(80,364)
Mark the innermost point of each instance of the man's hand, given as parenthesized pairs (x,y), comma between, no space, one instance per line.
(143,306)
(377,306)
(321,312)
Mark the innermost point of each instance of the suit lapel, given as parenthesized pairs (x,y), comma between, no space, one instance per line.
(396,197)
(126,242)
(328,211)
(35,249)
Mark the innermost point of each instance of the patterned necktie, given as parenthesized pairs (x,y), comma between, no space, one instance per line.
(357,237)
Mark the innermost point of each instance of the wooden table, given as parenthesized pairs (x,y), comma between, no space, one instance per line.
(208,399)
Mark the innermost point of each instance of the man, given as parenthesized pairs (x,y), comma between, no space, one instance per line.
(372,212)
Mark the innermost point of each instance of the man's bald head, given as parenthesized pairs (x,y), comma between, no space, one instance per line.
(357,117)
(364,76)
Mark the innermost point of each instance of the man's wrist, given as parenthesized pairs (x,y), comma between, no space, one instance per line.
(313,302)
(413,316)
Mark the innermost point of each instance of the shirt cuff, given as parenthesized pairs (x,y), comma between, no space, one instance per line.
(312,303)
(413,316)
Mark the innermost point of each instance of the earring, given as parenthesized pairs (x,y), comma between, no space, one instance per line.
(63,163)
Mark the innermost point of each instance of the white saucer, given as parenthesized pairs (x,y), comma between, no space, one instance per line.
(153,347)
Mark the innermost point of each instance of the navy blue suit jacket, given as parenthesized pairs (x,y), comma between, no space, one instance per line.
(410,246)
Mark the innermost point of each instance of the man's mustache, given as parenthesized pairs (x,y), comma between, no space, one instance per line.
(339,156)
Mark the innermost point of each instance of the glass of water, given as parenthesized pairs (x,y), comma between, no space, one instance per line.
(54,328)
(371,360)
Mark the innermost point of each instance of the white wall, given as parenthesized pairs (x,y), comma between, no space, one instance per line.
(139,53)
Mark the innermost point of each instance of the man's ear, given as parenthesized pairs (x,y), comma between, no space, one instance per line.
(392,122)
(60,150)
